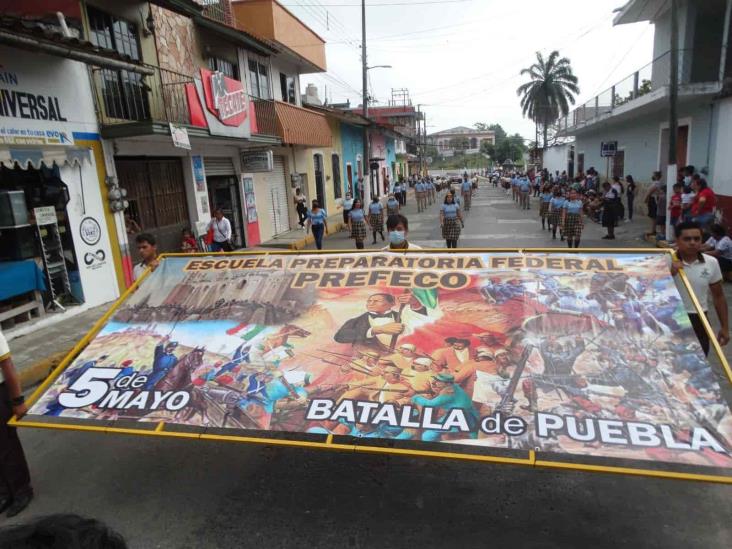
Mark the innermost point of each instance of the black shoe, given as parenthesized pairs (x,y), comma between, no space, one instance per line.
(19,504)
(607,237)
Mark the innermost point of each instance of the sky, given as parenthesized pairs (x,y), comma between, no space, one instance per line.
(461,59)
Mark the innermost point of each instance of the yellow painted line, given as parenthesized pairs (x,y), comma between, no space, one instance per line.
(636,472)
(329,438)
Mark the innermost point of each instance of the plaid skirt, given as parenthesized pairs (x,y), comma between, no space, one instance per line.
(392,211)
(554,217)
(358,230)
(377,222)
(543,209)
(451,229)
(573,226)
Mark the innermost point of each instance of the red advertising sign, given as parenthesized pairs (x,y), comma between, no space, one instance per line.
(225,98)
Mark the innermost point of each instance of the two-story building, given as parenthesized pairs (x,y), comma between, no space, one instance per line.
(446,140)
(634,111)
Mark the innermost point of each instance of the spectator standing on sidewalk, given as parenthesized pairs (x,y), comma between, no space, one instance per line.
(650,200)
(318,222)
(451,220)
(705,277)
(301,207)
(610,198)
(148,249)
(221,232)
(376,218)
(630,190)
(357,223)
(675,205)
(15,488)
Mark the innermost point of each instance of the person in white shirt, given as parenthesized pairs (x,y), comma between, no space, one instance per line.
(719,245)
(705,277)
(221,232)
(148,250)
(398,228)
(15,487)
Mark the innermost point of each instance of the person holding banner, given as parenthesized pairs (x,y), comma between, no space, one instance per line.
(451,220)
(398,226)
(572,219)
(15,488)
(705,277)
(357,223)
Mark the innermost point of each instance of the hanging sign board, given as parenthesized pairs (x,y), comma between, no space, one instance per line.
(571,356)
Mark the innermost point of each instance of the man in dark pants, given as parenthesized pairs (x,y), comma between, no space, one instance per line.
(705,277)
(15,489)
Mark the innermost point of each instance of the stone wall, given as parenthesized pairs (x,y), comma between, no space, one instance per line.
(176,41)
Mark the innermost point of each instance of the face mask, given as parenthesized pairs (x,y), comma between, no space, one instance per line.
(396,237)
(687,180)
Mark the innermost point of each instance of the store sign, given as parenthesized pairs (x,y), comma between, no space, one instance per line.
(90,231)
(257,161)
(45,215)
(221,104)
(180,137)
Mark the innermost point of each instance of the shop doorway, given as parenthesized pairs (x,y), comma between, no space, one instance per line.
(157,197)
(224,193)
(31,249)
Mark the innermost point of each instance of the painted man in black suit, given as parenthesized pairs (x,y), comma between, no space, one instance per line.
(375,328)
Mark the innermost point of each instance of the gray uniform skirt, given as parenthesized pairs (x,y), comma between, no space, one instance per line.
(451,229)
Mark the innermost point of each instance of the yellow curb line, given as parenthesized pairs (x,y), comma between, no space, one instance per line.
(41,369)
(300,244)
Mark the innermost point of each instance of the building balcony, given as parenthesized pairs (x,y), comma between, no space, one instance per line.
(133,104)
(269,20)
(644,92)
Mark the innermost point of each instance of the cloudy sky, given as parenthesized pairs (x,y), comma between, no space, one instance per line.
(461,59)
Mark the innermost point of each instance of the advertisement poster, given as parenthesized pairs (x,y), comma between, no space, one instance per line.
(198,173)
(580,354)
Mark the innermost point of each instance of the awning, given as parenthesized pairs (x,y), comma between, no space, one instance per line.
(47,156)
(298,126)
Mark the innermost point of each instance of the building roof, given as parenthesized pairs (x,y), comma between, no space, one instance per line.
(460,130)
(300,126)
(34,35)
(636,11)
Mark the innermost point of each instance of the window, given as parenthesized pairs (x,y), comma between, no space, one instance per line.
(287,85)
(259,79)
(124,93)
(337,191)
(223,66)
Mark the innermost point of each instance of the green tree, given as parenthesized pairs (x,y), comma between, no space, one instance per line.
(486,147)
(550,90)
(497,129)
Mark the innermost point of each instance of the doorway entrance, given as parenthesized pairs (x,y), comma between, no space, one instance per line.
(223,192)
(319,179)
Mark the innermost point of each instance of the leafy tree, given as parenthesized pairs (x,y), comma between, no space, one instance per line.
(486,147)
(497,129)
(550,90)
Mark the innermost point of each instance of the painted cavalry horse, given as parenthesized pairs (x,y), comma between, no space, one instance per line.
(280,338)
(179,379)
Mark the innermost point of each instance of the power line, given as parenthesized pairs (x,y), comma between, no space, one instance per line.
(387,4)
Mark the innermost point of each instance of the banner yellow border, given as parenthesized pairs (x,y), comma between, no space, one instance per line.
(532,460)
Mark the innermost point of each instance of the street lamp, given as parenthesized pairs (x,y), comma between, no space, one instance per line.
(379,67)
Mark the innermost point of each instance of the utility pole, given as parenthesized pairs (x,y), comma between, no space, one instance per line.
(673,116)
(366,164)
(424,141)
(419,138)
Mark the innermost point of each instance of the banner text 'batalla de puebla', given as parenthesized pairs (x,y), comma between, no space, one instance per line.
(574,354)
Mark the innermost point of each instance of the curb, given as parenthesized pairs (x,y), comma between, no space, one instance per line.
(301,243)
(39,371)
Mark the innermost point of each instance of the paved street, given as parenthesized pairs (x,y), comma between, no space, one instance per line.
(179,494)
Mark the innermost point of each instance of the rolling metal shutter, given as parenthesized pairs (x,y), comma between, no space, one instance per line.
(279,196)
(213,166)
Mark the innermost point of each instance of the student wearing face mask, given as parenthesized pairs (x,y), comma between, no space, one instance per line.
(398,228)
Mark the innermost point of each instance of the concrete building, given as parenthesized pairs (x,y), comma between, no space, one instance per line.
(445,140)
(634,112)
(559,158)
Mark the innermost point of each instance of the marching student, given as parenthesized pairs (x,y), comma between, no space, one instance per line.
(451,220)
(357,223)
(572,219)
(376,218)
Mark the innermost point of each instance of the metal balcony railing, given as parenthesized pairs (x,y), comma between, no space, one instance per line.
(653,76)
(218,10)
(127,97)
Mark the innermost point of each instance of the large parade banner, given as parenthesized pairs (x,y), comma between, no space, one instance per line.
(582,354)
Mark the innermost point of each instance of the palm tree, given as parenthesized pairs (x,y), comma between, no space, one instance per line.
(550,91)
